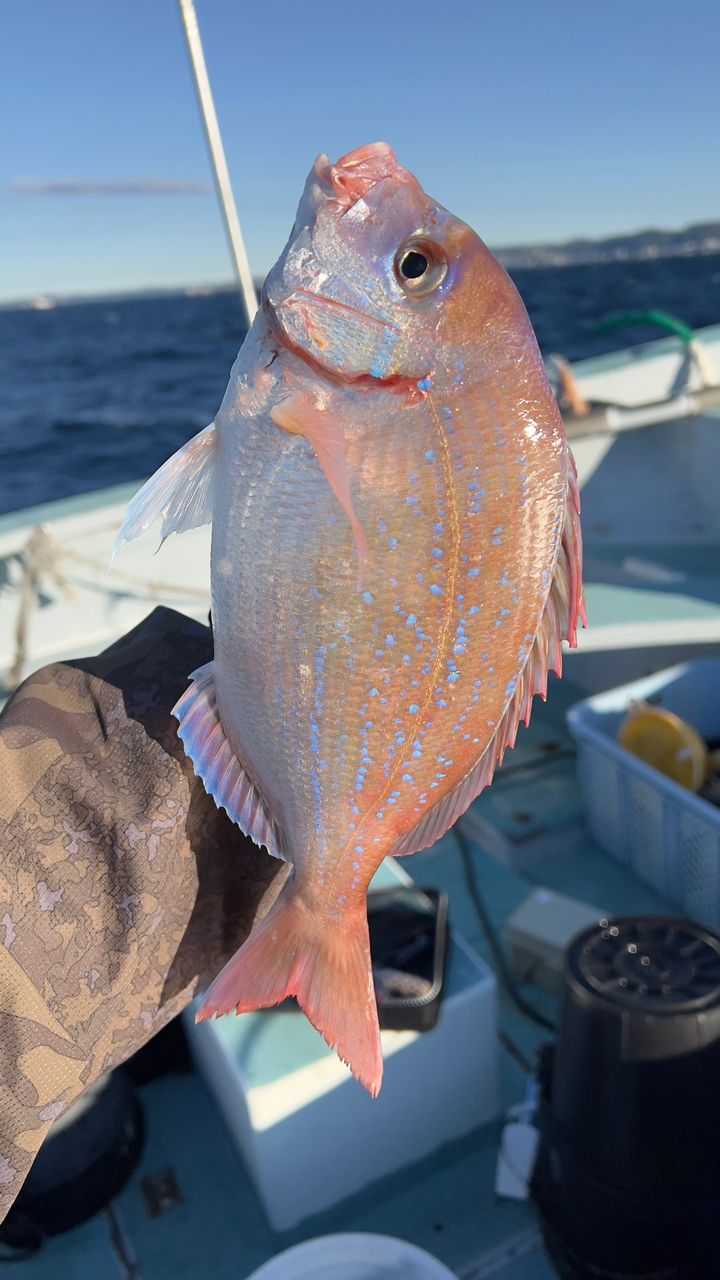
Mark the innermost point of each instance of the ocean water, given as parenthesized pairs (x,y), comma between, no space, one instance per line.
(97,393)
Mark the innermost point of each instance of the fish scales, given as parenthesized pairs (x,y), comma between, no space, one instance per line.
(348,694)
(395,561)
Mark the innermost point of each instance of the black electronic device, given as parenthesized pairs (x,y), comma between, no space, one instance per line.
(627,1180)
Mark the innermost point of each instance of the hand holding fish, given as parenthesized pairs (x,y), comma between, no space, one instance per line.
(396,561)
(125,890)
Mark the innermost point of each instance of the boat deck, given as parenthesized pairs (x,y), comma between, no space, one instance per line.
(446,1203)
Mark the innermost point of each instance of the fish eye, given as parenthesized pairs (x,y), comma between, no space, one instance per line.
(420,266)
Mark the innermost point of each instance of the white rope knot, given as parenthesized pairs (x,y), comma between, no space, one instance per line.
(40,557)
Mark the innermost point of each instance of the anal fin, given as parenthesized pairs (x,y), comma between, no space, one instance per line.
(216,764)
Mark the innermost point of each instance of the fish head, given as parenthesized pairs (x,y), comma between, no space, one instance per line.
(363,286)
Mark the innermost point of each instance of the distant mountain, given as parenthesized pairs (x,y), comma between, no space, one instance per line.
(702,237)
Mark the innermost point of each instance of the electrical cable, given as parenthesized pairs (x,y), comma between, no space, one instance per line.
(503,968)
(516,1053)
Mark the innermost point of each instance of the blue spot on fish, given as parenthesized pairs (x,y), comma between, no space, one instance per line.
(435,590)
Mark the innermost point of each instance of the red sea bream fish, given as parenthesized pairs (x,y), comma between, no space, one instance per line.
(396,560)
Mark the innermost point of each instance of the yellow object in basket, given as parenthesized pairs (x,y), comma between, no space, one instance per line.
(669,744)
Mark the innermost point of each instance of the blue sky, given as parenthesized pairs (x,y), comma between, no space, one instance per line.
(531,119)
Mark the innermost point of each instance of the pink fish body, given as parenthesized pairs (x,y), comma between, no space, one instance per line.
(396,560)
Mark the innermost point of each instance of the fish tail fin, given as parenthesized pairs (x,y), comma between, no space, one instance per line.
(295,952)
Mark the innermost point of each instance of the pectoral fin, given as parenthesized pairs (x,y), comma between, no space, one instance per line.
(181,491)
(300,415)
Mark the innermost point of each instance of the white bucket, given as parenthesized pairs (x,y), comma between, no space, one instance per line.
(354,1257)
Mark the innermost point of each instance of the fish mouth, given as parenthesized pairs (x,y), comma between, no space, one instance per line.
(354,174)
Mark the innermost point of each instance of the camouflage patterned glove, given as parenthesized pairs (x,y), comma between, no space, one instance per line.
(123,890)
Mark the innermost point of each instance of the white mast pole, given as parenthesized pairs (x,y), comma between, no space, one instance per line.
(217,155)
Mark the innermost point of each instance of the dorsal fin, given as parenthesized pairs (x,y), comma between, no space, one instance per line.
(180,491)
(216,764)
(564,609)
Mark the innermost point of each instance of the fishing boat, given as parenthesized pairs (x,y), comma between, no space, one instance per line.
(644,425)
(652,538)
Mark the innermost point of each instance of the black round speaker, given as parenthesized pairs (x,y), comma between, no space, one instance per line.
(627,1180)
(86,1158)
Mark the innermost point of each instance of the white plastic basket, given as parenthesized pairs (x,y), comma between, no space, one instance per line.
(669,837)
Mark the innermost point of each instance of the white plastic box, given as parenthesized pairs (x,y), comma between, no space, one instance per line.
(667,835)
(310,1135)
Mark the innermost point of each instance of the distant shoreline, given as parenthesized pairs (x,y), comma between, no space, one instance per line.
(698,240)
